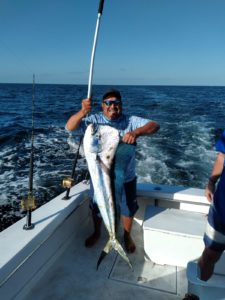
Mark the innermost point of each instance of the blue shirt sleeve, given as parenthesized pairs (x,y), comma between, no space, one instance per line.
(220,145)
(83,124)
(138,122)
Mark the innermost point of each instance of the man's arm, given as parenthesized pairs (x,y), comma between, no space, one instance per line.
(215,175)
(148,129)
(74,121)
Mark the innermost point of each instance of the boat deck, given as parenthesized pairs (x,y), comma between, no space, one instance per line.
(73,274)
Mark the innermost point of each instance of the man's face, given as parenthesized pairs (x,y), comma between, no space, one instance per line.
(112,108)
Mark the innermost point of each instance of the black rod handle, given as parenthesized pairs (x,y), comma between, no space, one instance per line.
(100,8)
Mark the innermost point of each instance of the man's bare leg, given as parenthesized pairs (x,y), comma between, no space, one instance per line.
(129,243)
(94,237)
(207,262)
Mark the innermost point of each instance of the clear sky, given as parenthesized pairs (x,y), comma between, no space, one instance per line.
(162,42)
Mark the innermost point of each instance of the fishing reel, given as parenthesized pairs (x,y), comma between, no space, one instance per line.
(68,182)
(29,203)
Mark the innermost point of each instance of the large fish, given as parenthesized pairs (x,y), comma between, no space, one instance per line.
(101,142)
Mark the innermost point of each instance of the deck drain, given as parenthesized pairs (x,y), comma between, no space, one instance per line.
(142,279)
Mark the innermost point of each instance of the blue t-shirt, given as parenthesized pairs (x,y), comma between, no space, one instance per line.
(219,196)
(220,145)
(123,124)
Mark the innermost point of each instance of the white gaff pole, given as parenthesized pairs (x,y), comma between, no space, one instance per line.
(94,48)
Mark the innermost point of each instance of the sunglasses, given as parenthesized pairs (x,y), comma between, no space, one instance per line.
(111,102)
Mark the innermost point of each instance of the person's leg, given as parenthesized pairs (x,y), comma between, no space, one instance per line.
(97,221)
(214,239)
(128,242)
(129,207)
(207,262)
(94,237)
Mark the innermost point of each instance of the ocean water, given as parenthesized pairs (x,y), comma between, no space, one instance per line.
(181,153)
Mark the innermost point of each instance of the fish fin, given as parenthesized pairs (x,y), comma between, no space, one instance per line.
(122,253)
(105,251)
(101,257)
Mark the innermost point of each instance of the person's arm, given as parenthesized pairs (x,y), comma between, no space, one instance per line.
(148,129)
(215,175)
(74,121)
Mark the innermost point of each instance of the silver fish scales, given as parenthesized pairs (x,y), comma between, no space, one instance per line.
(100,145)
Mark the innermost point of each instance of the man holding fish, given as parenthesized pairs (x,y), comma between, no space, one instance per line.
(129,129)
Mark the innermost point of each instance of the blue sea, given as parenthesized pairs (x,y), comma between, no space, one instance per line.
(181,153)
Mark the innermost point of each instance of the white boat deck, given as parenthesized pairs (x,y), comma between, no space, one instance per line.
(74,275)
(51,261)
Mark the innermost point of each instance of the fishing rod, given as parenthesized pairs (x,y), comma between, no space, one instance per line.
(100,9)
(29,203)
(69,181)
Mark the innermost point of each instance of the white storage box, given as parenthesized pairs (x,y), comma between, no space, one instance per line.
(172,236)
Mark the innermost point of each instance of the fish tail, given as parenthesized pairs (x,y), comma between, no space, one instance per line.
(113,244)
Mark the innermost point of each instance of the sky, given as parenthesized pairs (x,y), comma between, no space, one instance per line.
(140,42)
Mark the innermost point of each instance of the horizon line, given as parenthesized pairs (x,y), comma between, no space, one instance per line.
(84,84)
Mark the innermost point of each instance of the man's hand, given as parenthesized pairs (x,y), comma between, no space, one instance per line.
(209,191)
(130,137)
(148,129)
(74,120)
(86,106)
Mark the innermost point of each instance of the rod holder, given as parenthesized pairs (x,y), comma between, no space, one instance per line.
(28,225)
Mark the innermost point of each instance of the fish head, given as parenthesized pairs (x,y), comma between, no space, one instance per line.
(95,139)
(101,140)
